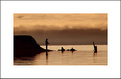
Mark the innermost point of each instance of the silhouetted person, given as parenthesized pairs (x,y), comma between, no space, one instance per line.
(62,52)
(72,49)
(46,43)
(95,48)
(62,49)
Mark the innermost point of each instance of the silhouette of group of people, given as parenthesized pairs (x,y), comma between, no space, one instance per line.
(62,49)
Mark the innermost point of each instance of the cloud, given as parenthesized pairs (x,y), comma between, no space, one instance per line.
(61,20)
(52,27)
(63,28)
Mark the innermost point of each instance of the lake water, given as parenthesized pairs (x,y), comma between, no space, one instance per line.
(83,56)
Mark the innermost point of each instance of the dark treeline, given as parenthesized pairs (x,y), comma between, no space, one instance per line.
(67,36)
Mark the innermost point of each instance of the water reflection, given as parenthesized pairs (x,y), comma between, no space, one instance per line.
(94,54)
(46,57)
(24,60)
(65,58)
(62,52)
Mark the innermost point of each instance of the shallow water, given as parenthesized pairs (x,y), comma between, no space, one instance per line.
(83,56)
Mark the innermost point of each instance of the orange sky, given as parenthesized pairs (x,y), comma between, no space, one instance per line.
(63,28)
(60,21)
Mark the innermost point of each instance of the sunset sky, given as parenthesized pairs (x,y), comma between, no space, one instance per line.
(41,26)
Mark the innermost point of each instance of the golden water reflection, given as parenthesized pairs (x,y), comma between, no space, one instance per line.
(81,57)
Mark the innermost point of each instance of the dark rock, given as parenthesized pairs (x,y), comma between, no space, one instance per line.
(25,45)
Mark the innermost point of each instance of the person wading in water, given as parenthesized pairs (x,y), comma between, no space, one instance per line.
(46,43)
(95,48)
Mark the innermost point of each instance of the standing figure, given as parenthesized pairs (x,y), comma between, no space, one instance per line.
(62,49)
(46,43)
(95,48)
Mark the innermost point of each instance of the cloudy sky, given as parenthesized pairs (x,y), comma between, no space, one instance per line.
(63,28)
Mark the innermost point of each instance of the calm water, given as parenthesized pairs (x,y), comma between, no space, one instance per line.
(83,56)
